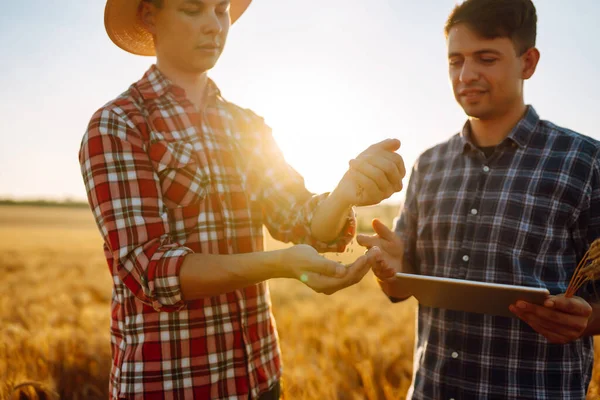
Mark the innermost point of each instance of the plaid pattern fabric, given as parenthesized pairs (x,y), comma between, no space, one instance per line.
(525,216)
(163,181)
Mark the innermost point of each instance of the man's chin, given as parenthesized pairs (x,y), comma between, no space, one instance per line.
(201,66)
(476,111)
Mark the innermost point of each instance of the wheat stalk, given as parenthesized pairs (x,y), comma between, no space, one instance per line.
(588,269)
(39,388)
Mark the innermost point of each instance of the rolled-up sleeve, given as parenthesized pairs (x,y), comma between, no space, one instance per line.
(124,194)
(287,206)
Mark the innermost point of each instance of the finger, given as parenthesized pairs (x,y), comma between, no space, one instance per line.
(551,319)
(391,164)
(330,285)
(368,241)
(320,283)
(357,270)
(387,144)
(394,158)
(551,335)
(387,167)
(373,255)
(361,261)
(373,173)
(383,231)
(572,305)
(328,268)
(386,161)
(383,271)
(546,327)
(537,325)
(398,162)
(553,316)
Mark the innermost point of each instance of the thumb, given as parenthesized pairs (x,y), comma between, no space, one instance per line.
(382,230)
(361,265)
(368,241)
(387,144)
(374,255)
(574,305)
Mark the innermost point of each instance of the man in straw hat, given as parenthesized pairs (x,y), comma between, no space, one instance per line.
(181,182)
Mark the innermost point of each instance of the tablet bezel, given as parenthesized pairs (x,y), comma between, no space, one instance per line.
(465,295)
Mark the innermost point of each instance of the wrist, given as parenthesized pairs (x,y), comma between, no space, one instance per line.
(592,327)
(275,262)
(340,199)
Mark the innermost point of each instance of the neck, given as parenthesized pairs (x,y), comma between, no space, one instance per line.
(193,83)
(490,132)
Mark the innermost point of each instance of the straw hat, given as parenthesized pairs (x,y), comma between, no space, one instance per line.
(126,31)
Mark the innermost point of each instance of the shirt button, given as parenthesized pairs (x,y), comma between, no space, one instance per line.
(465,258)
(486,169)
(454,355)
(474,211)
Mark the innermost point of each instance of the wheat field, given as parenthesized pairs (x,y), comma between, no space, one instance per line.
(54,320)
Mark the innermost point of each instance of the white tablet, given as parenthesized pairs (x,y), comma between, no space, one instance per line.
(464,295)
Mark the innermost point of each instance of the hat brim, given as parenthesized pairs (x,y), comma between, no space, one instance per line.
(126,31)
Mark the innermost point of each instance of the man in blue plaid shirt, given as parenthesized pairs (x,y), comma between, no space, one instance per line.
(511,199)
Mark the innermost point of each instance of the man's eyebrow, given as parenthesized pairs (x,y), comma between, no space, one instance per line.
(478,52)
(202,3)
(485,51)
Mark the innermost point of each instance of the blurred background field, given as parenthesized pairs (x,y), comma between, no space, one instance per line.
(54,314)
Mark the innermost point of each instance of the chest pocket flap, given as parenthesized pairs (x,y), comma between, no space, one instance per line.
(183,181)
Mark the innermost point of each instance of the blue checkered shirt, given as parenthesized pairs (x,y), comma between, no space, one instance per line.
(523,216)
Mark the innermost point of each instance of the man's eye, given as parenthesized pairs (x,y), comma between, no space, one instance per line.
(488,60)
(223,11)
(454,63)
(191,12)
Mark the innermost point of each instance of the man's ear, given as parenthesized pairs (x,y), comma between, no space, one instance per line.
(530,61)
(147,16)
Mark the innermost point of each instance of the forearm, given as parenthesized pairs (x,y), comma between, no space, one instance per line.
(593,327)
(206,275)
(329,218)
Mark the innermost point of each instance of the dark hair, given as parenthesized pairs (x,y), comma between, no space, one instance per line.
(514,19)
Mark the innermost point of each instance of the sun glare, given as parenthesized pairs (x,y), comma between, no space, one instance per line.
(316,125)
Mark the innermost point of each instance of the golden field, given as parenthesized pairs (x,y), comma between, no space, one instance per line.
(54,315)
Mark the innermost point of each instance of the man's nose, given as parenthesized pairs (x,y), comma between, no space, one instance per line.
(211,24)
(468,72)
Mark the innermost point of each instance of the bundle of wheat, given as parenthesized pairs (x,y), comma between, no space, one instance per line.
(588,269)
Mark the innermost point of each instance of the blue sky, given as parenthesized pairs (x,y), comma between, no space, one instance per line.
(330,77)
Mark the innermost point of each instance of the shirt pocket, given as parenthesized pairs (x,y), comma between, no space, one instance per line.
(544,224)
(183,181)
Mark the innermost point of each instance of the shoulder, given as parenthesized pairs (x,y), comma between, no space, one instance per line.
(566,140)
(438,152)
(121,118)
(243,115)
(248,128)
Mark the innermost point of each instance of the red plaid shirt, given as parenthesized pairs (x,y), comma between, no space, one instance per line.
(163,181)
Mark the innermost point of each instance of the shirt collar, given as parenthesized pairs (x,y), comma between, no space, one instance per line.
(154,84)
(519,135)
